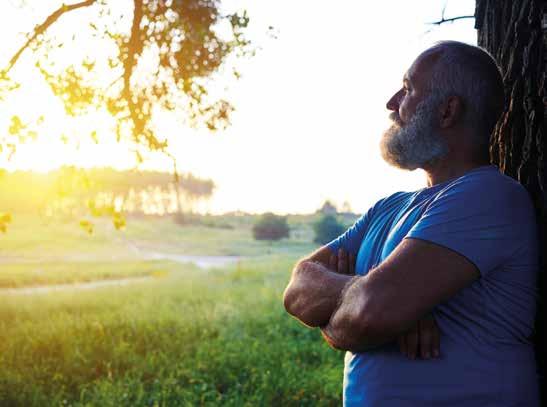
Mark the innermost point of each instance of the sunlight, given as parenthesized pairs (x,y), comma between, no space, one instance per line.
(313,122)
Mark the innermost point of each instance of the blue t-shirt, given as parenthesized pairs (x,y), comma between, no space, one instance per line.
(487,357)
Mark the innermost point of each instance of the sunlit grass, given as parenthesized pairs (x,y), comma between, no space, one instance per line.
(32,237)
(40,273)
(194,338)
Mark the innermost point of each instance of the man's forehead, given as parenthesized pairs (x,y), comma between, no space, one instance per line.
(422,65)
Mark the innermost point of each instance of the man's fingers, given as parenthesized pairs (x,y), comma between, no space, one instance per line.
(412,342)
(333,262)
(342,261)
(436,341)
(430,338)
(402,344)
(352,264)
(426,329)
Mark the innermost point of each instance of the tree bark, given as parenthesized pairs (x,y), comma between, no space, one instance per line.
(515,33)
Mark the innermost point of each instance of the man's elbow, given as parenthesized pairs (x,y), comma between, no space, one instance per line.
(290,300)
(295,304)
(290,296)
(295,301)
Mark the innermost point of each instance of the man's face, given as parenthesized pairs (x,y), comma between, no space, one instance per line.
(413,140)
(413,91)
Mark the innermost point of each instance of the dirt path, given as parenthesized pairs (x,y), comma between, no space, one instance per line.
(41,289)
(203,262)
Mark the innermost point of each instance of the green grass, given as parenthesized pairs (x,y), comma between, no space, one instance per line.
(13,275)
(35,252)
(193,338)
(30,238)
(188,337)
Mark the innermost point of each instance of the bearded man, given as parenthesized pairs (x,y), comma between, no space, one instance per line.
(440,309)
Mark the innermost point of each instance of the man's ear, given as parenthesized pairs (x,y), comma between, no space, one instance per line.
(450,112)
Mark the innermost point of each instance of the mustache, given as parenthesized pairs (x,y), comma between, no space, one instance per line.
(395,118)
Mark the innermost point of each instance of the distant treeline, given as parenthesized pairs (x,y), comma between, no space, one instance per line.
(100,191)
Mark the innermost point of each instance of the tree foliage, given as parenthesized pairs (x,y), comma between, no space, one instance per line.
(328,208)
(271,227)
(327,228)
(155,56)
(75,192)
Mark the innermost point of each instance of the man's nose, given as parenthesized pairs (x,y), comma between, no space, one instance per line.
(393,103)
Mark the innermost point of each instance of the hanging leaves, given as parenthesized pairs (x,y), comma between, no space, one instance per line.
(158,55)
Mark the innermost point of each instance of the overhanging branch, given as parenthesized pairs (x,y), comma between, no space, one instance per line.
(450,20)
(40,29)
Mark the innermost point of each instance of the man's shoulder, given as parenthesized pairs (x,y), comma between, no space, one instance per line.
(487,186)
(392,200)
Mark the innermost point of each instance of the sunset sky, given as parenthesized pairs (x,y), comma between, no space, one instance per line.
(310,107)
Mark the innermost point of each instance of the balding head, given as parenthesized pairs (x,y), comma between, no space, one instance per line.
(470,73)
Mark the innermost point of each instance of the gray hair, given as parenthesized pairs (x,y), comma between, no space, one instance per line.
(472,74)
(416,144)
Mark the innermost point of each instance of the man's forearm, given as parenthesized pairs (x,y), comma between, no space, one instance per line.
(342,332)
(358,323)
(313,293)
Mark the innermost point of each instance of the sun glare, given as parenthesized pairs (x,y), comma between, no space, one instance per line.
(310,108)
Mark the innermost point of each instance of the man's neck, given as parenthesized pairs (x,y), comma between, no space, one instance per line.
(446,171)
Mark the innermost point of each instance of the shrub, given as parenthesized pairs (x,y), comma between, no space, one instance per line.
(271,227)
(328,208)
(327,228)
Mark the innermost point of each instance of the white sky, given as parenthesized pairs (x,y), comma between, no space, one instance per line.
(310,105)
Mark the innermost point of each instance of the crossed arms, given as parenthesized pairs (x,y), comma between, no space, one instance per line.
(357,313)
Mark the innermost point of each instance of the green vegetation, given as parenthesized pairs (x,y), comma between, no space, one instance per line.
(192,338)
(92,192)
(186,336)
(38,273)
(271,227)
(32,238)
(327,228)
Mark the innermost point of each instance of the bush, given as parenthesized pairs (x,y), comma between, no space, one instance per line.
(271,227)
(327,228)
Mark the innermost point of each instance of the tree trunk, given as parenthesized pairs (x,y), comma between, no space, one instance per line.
(515,33)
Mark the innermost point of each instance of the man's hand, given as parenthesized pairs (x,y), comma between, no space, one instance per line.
(342,262)
(423,340)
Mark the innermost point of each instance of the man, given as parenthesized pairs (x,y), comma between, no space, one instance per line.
(458,258)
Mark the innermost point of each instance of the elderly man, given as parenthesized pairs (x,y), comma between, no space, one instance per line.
(453,263)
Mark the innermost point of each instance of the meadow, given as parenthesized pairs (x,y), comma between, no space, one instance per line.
(184,337)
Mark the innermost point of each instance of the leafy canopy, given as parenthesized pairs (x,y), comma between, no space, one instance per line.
(155,56)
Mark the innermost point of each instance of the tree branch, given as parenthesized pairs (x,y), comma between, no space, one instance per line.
(40,29)
(449,20)
(132,50)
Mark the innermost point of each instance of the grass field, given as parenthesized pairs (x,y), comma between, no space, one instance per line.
(32,238)
(35,252)
(187,337)
(15,275)
(193,338)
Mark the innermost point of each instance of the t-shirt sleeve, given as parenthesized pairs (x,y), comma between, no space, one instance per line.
(351,239)
(483,221)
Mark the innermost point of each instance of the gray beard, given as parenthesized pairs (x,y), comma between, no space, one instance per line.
(416,144)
